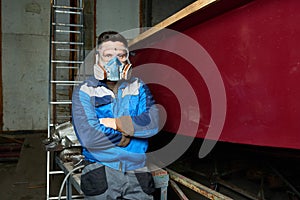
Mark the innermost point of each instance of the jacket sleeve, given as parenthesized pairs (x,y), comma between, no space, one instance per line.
(90,133)
(146,123)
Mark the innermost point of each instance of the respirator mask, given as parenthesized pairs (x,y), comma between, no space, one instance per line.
(112,64)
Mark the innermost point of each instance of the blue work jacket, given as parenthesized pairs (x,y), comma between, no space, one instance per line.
(93,100)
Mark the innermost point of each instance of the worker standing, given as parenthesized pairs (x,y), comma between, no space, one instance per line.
(114,114)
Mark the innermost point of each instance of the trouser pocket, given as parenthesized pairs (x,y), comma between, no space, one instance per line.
(93,180)
(146,182)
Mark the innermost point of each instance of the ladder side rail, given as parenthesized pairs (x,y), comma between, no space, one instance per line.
(82,39)
(49,105)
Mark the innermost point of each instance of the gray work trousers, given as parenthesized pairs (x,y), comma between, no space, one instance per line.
(99,182)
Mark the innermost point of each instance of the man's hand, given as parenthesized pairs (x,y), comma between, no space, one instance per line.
(109,122)
(124,141)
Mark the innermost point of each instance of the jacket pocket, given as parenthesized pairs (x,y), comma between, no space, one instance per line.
(93,180)
(146,182)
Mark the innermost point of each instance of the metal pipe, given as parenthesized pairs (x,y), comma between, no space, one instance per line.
(228,185)
(178,191)
(197,187)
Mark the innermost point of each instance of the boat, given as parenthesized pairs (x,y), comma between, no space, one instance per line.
(226,70)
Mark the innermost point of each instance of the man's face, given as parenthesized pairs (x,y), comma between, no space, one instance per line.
(110,49)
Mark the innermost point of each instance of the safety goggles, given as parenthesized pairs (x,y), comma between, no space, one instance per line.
(107,53)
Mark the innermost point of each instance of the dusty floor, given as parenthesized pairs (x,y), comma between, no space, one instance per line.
(25,179)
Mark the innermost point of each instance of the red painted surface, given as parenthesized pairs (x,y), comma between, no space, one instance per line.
(256,48)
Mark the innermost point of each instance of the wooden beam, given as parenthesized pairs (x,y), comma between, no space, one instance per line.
(190,9)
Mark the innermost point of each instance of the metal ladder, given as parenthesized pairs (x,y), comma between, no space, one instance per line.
(65,60)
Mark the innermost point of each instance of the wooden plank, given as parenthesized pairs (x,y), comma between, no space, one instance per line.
(192,8)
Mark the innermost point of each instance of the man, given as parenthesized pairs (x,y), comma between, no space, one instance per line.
(113,115)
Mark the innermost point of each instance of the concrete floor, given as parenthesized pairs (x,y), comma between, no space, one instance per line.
(25,179)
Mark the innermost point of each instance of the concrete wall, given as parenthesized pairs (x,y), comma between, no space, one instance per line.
(25,57)
(117,15)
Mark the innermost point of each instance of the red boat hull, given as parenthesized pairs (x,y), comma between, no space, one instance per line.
(256,49)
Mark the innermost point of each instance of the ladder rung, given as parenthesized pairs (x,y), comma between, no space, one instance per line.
(66,31)
(67,197)
(67,67)
(63,24)
(67,7)
(56,172)
(68,82)
(68,12)
(60,102)
(53,198)
(67,61)
(60,42)
(65,83)
(68,50)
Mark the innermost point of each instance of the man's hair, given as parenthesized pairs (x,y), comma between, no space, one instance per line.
(111,36)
